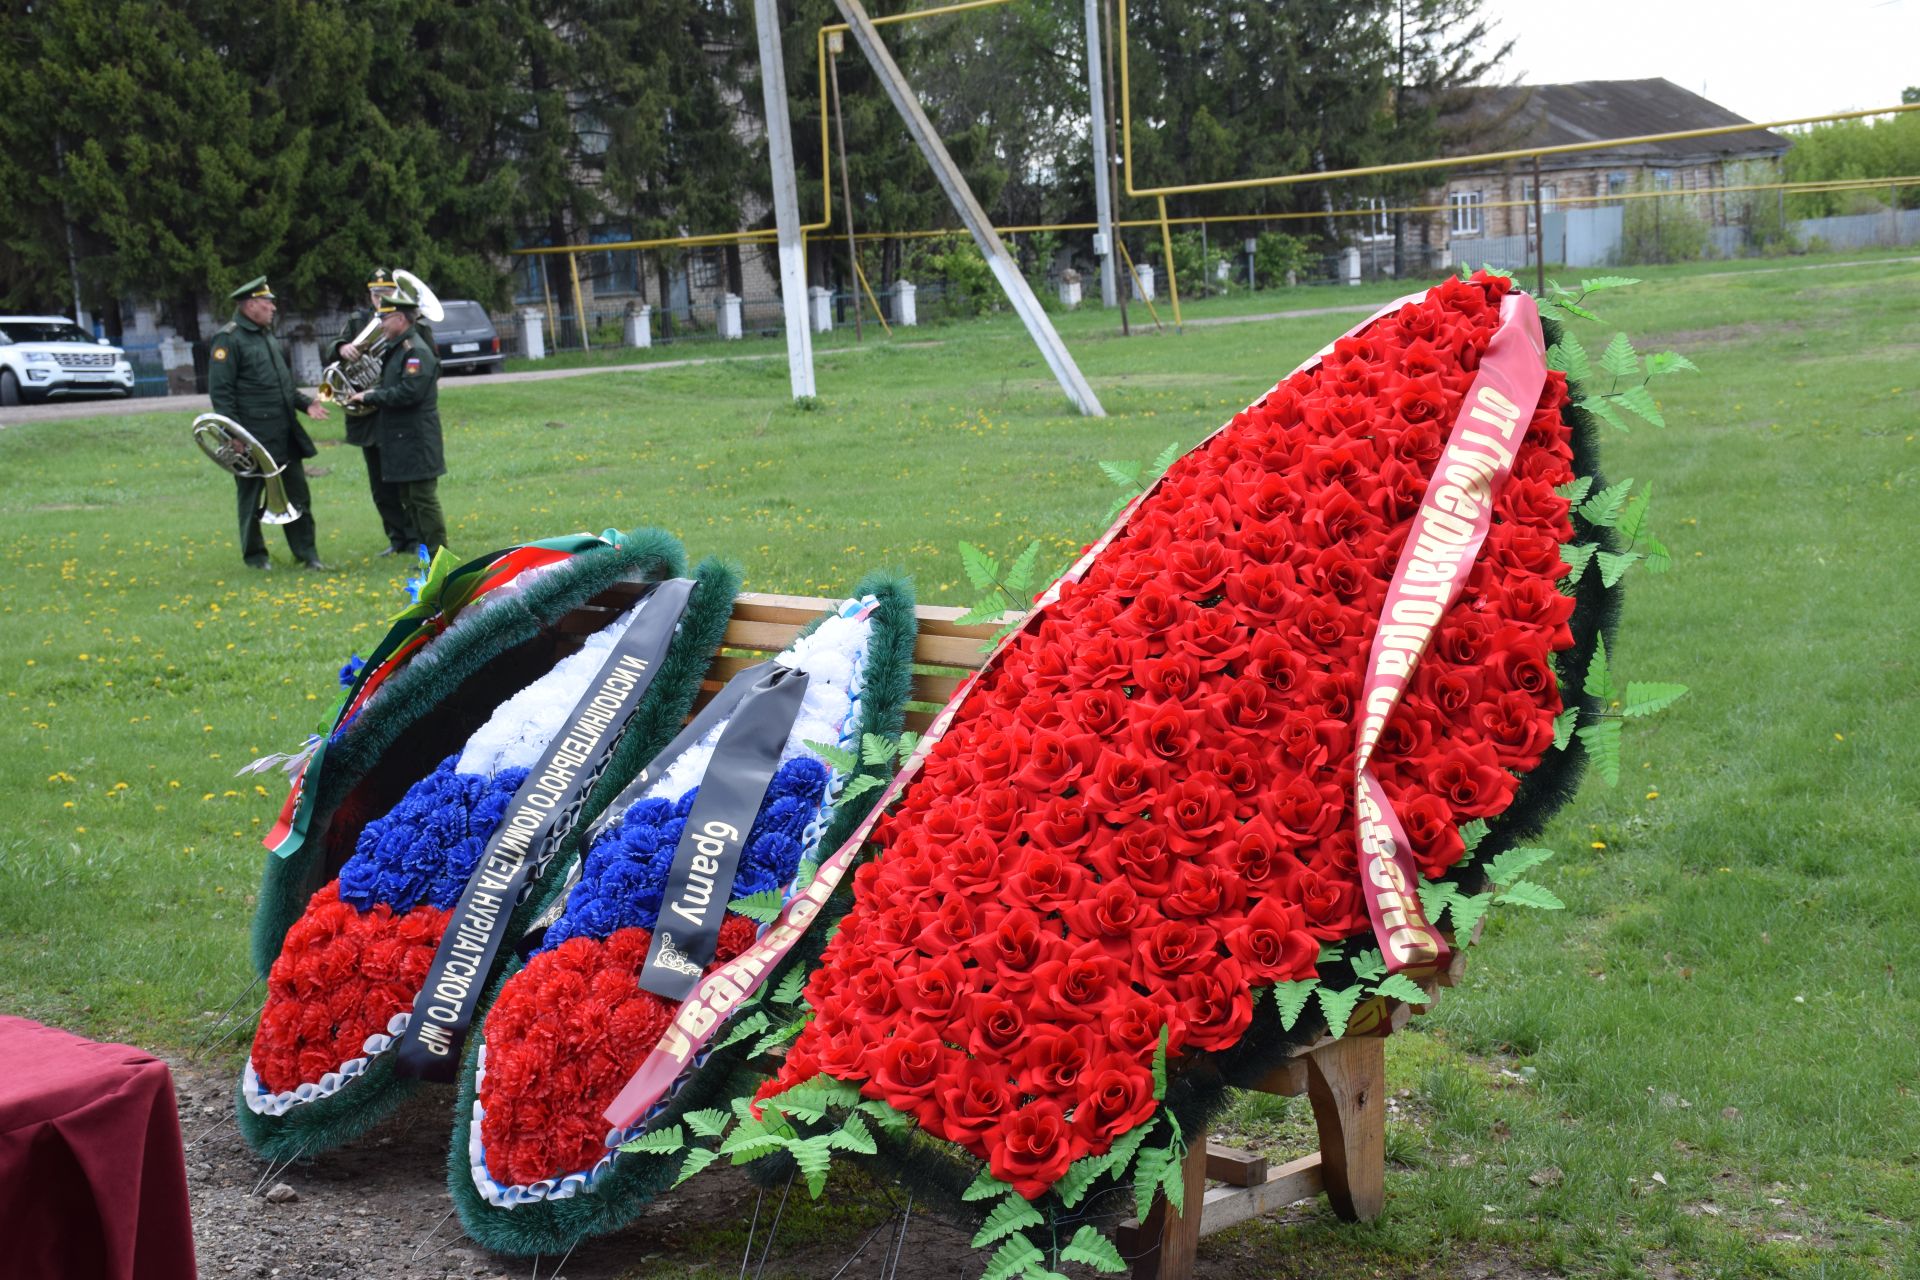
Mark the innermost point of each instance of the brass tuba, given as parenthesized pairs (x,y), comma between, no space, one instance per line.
(234,447)
(343,378)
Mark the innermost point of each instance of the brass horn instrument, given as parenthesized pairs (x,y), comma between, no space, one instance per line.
(343,378)
(236,449)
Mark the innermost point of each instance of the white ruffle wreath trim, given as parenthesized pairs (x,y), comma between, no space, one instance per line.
(262,1103)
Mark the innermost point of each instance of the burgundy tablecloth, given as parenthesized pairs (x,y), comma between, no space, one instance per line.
(92,1180)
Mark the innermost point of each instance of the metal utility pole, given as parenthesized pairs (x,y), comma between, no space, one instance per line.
(846,187)
(1110,172)
(1102,194)
(786,201)
(1539,236)
(1005,270)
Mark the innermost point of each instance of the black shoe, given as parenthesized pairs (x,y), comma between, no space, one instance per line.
(395,551)
(261,565)
(318,565)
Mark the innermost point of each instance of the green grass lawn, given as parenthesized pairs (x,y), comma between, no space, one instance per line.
(1707,1065)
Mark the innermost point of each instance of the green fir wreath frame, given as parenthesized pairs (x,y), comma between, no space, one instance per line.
(554,1226)
(501,644)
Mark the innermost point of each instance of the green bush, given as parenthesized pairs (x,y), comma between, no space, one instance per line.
(1197,269)
(1274,254)
(1662,229)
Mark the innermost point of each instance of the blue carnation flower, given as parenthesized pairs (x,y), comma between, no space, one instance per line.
(425,848)
(351,670)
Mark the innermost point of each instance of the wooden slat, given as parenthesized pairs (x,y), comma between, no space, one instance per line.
(919,721)
(1288,1080)
(938,690)
(726,667)
(759,606)
(1229,1206)
(1347,1084)
(1235,1167)
(771,637)
(949,651)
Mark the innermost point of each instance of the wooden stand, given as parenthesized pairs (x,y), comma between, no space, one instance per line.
(1345,1080)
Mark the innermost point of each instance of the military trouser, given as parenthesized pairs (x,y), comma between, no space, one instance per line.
(421,501)
(386,501)
(300,533)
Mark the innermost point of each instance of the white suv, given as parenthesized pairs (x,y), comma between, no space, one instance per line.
(42,356)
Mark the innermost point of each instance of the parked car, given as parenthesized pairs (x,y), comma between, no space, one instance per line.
(46,356)
(464,338)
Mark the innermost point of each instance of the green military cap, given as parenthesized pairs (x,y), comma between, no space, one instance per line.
(399,298)
(380,278)
(255,288)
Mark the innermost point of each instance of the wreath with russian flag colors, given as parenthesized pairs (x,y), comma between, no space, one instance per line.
(1259,759)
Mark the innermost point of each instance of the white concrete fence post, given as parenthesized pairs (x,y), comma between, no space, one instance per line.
(533,334)
(730,316)
(820,308)
(903,308)
(1351,260)
(639,324)
(1143,288)
(1070,288)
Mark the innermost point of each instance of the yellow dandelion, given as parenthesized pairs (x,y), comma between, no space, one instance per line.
(1599,844)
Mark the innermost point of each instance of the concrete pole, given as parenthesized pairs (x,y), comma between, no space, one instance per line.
(1102,194)
(955,185)
(786,201)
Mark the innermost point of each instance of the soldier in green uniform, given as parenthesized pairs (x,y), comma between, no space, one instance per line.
(249,381)
(407,428)
(386,495)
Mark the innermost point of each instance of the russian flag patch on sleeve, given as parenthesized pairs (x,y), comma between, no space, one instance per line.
(413,365)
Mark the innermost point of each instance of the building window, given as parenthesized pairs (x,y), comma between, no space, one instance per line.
(1663,179)
(1465,208)
(706,268)
(1375,224)
(1618,182)
(1546,199)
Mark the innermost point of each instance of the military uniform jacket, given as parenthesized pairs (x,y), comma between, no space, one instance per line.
(249,381)
(407,429)
(359,426)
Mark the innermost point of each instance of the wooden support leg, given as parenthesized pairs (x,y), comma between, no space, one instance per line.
(1167,1242)
(1347,1084)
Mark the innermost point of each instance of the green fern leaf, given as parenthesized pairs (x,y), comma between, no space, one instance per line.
(1338,1006)
(1369,965)
(795,982)
(1576,489)
(842,760)
(1012,1258)
(1599,682)
(804,876)
(1124,474)
(1573,308)
(1577,556)
(1659,559)
(1148,1175)
(1465,911)
(1602,741)
(1127,1145)
(810,1099)
(1603,508)
(1620,359)
(984,1187)
(1008,1216)
(988,610)
(751,1140)
(1526,893)
(751,1025)
(761,907)
(875,749)
(1292,997)
(1020,574)
(662,1142)
(1633,517)
(983,571)
(1598,283)
(1640,400)
(1160,1065)
(1173,1178)
(815,1157)
(853,1135)
(1570,358)
(1661,363)
(1080,1177)
(1164,459)
(1434,896)
(1402,988)
(1563,727)
(1473,833)
(1644,697)
(697,1159)
(1614,565)
(1094,1249)
(1604,409)
(710,1123)
(1514,863)
(860,786)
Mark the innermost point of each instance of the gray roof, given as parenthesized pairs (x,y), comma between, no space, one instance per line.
(1557,114)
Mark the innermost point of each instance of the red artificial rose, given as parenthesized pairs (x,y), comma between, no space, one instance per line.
(1117,1097)
(1273,944)
(1032,1149)
(1215,1004)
